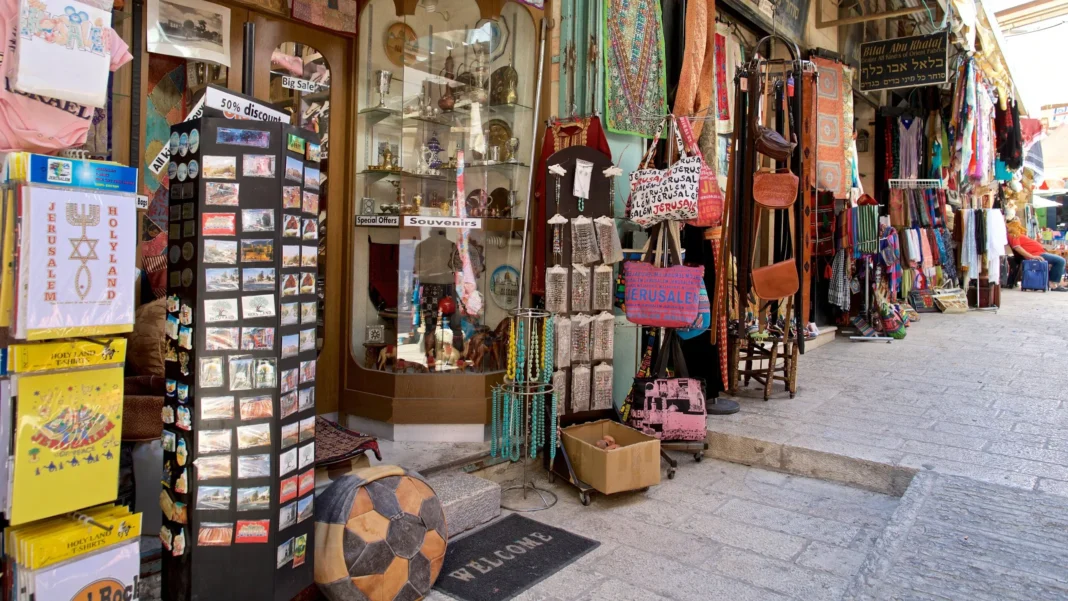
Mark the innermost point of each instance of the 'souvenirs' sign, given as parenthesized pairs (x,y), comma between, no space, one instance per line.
(904,62)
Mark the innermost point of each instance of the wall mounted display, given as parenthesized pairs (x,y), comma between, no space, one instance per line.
(230,367)
(191,29)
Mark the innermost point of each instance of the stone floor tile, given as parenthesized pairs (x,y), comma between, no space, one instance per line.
(1001,462)
(747,536)
(789,579)
(1056,487)
(789,522)
(831,558)
(970,470)
(1028,452)
(617,589)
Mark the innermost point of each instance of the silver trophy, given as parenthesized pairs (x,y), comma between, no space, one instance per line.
(513,148)
(384,79)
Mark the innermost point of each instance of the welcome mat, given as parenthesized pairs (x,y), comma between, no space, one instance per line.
(508,557)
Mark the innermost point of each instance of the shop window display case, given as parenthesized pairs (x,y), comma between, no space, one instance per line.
(443,159)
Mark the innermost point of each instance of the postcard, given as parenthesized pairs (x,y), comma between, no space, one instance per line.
(306,455)
(213,497)
(291,226)
(287,462)
(287,404)
(314,152)
(257,339)
(287,514)
(221,279)
(257,165)
(257,220)
(311,178)
(290,345)
(220,251)
(300,547)
(290,435)
(305,507)
(218,224)
(253,466)
(309,256)
(221,194)
(213,441)
(221,339)
(216,167)
(220,309)
(258,250)
(307,282)
(253,499)
(252,531)
(308,312)
(212,467)
(215,534)
(306,399)
(257,407)
(260,305)
(257,278)
(311,203)
(295,143)
(291,255)
(243,137)
(290,197)
(307,482)
(307,340)
(217,407)
(307,371)
(285,553)
(289,380)
(288,490)
(241,373)
(252,436)
(289,313)
(307,428)
(294,169)
(289,285)
(266,373)
(310,229)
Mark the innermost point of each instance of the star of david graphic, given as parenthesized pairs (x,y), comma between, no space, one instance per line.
(83,216)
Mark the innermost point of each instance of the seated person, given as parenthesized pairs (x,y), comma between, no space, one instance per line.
(1030,249)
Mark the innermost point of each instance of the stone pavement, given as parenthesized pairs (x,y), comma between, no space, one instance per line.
(980,395)
(717,531)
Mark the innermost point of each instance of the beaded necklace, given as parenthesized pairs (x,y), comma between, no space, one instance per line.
(493,415)
(533,357)
(510,372)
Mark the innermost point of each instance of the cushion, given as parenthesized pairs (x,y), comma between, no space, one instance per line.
(147,344)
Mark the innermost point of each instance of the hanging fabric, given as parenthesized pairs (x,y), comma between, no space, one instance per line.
(635,80)
(833,131)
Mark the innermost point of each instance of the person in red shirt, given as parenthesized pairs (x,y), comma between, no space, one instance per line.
(1030,249)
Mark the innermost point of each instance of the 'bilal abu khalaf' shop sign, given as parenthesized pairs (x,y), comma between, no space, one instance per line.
(904,62)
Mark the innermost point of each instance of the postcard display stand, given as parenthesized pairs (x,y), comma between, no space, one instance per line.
(240,453)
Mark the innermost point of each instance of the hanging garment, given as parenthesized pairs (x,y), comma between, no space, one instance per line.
(997,238)
(850,145)
(37,123)
(839,294)
(694,95)
(583,132)
(890,257)
(833,131)
(969,258)
(635,80)
(909,134)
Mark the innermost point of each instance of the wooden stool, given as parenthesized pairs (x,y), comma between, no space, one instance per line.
(779,352)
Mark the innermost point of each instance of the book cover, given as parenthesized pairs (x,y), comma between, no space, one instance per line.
(111,573)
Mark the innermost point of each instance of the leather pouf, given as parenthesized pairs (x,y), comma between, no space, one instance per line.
(380,535)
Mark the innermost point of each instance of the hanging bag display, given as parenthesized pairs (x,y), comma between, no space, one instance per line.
(663,297)
(709,195)
(774,189)
(669,408)
(664,194)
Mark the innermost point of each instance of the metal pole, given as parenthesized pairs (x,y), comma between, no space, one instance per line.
(533,158)
(248,59)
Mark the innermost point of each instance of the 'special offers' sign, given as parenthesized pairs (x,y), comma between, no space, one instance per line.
(921,60)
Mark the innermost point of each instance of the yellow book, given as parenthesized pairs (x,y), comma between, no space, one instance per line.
(67,435)
(74,538)
(7,261)
(20,540)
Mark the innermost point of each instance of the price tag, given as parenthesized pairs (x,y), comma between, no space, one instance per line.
(142,202)
(583,171)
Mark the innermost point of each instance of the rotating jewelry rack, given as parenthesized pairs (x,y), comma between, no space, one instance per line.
(524,408)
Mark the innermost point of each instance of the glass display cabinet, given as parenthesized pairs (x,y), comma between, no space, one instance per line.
(443,158)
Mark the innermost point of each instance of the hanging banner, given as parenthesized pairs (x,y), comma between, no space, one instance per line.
(921,60)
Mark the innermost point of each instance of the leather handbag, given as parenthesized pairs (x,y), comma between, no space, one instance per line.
(669,408)
(771,143)
(775,189)
(664,297)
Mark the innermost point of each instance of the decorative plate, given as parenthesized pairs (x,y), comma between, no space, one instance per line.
(400,44)
(504,287)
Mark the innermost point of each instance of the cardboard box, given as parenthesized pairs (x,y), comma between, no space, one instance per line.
(634,465)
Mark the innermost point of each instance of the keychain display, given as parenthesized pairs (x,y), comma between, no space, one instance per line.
(558,221)
(608,240)
(603,282)
(580,288)
(556,289)
(603,329)
(580,339)
(563,337)
(580,388)
(560,386)
(584,247)
(602,387)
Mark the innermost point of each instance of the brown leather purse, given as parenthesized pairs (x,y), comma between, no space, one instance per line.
(778,280)
(771,143)
(773,189)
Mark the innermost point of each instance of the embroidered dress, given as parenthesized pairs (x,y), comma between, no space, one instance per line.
(635,82)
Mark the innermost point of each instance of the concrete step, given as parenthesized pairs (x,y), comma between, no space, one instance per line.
(959,539)
(468,501)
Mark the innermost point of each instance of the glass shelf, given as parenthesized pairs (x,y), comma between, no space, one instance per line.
(382,174)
